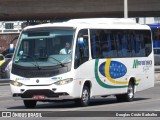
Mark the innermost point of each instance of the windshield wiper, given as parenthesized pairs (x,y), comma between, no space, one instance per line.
(36,65)
(57,61)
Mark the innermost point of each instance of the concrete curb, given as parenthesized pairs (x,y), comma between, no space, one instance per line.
(4,84)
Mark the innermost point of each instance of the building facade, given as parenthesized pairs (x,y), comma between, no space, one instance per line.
(9,32)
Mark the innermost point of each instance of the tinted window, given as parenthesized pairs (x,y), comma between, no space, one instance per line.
(120,43)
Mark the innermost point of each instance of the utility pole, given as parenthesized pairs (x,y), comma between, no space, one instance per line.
(125,8)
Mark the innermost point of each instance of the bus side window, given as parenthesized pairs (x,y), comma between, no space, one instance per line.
(139,45)
(147,43)
(95,43)
(104,51)
(129,47)
(82,49)
(113,51)
(108,45)
(142,50)
(94,46)
(132,44)
(119,44)
(124,45)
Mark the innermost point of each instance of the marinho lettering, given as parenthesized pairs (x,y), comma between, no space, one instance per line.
(137,63)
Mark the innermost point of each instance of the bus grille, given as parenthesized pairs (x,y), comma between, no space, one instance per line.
(34,72)
(45,92)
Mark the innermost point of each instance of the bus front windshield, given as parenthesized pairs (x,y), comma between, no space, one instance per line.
(44,48)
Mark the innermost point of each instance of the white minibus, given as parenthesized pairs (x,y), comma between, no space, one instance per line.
(81,59)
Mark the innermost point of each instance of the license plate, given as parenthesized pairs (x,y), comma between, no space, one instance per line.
(38,97)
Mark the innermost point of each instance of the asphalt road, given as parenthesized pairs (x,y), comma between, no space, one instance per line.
(147,100)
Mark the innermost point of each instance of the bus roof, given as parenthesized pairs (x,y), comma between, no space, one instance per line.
(109,23)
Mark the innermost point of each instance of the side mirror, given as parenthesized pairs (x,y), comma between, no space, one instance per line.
(81,41)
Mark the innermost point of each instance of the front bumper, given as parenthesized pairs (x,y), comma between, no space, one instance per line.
(48,95)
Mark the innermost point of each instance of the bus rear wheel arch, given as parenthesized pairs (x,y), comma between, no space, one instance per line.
(129,96)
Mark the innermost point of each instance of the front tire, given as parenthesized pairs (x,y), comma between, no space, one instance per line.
(30,103)
(85,97)
(129,96)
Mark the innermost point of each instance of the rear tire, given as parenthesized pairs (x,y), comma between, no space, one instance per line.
(85,97)
(129,96)
(30,103)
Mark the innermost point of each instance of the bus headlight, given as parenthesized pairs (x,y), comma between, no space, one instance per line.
(16,83)
(65,81)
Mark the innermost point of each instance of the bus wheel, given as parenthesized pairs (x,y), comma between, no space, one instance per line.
(85,97)
(128,96)
(130,92)
(29,103)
